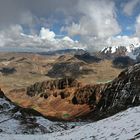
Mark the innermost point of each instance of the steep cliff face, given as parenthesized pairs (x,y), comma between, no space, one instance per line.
(122,93)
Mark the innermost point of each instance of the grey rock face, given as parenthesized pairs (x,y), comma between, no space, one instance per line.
(122,93)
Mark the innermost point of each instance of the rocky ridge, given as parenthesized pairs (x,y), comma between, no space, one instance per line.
(122,93)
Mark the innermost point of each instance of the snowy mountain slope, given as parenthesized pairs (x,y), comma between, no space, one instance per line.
(132,50)
(122,126)
(13,121)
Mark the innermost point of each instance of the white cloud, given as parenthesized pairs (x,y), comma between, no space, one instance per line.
(15,38)
(10,35)
(66,38)
(96,24)
(123,41)
(128,8)
(98,19)
(47,34)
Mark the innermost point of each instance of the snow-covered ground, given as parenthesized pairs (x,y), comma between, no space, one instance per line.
(12,122)
(122,126)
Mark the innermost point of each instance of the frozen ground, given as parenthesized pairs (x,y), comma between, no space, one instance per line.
(18,126)
(122,126)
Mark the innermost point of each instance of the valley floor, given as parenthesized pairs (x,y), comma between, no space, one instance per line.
(122,126)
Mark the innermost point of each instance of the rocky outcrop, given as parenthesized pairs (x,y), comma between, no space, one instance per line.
(52,87)
(67,88)
(88,95)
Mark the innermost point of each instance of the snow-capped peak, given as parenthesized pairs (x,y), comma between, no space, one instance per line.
(131,50)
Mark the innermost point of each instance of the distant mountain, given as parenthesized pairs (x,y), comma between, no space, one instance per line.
(62,52)
(68,65)
(132,51)
(123,62)
(87,57)
(111,52)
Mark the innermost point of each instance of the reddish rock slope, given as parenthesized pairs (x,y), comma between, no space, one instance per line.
(67,99)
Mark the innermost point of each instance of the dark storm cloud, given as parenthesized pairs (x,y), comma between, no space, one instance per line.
(17,11)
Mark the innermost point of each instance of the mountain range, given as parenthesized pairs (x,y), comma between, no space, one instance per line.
(43,93)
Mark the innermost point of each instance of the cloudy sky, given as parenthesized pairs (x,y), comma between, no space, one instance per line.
(42,25)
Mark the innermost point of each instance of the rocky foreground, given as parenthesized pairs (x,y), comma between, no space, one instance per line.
(68,99)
